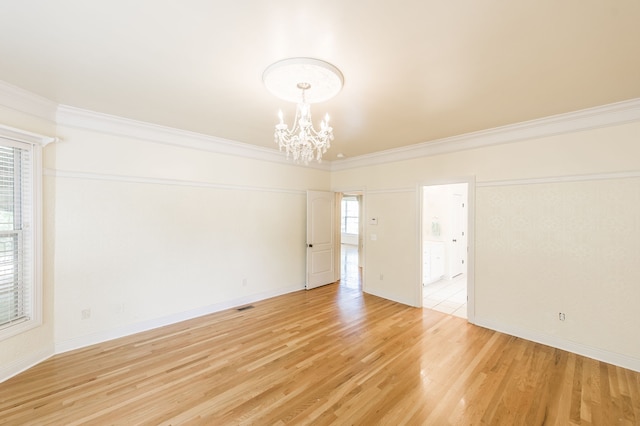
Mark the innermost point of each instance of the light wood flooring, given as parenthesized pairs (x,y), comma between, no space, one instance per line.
(327,356)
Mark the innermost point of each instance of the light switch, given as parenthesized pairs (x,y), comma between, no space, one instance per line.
(374,237)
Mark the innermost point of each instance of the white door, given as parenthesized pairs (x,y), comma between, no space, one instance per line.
(458,240)
(320,240)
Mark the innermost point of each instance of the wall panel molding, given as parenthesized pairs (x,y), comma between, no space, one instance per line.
(562,179)
(390,191)
(166,182)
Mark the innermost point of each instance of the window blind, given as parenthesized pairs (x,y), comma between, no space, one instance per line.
(16,246)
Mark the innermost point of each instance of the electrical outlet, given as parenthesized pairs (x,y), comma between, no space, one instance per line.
(561,316)
(381,277)
(85,314)
(244,282)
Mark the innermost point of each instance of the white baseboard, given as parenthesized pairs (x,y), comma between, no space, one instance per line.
(564,344)
(390,297)
(24,363)
(94,338)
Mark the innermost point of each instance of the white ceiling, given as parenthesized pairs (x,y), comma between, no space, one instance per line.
(415,70)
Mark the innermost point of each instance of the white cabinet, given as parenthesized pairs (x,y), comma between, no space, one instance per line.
(432,261)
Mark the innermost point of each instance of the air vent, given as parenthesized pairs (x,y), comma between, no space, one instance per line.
(244,308)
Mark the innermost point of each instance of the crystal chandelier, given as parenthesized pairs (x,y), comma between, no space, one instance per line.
(305,81)
(302,141)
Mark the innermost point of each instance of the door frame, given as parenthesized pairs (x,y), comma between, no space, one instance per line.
(471,213)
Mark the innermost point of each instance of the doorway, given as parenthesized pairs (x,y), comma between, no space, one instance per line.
(445,241)
(351,231)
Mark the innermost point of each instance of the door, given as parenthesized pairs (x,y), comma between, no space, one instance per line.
(320,238)
(458,240)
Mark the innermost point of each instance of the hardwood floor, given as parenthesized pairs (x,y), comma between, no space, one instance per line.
(326,356)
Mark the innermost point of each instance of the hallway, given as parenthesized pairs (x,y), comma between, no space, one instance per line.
(350,273)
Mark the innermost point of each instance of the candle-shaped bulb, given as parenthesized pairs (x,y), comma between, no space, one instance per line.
(280,116)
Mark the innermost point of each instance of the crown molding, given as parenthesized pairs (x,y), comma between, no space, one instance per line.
(119,126)
(27,102)
(586,119)
(24,101)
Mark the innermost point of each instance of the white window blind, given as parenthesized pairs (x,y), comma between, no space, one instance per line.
(16,239)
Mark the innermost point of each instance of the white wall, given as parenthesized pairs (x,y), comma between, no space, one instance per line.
(601,306)
(392,246)
(147,233)
(26,349)
(570,247)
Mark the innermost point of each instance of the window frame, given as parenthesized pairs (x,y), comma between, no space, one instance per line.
(34,143)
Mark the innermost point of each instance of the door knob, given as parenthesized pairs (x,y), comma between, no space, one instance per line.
(309,245)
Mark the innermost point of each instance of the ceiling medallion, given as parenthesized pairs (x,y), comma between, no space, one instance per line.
(304,81)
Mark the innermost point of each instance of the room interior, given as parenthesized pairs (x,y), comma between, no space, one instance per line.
(164,197)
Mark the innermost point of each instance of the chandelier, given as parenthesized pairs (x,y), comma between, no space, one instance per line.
(304,81)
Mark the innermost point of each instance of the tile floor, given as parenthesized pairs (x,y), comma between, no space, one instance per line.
(448,296)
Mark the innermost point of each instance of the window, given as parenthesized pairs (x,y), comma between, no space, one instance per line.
(350,214)
(19,292)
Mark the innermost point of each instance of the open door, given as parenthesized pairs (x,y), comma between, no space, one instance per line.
(458,239)
(320,238)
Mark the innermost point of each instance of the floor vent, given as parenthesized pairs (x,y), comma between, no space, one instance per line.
(244,308)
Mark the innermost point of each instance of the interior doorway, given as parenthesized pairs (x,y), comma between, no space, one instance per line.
(351,240)
(445,241)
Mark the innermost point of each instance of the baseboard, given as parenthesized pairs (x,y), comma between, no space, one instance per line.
(24,363)
(95,338)
(390,297)
(557,342)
